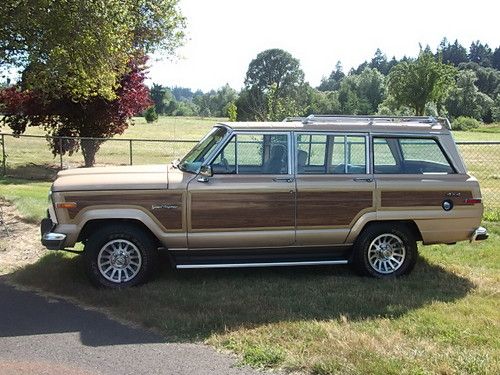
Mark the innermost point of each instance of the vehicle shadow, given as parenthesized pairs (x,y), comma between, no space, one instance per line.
(191,305)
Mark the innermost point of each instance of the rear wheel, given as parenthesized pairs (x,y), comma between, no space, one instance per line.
(385,250)
(120,255)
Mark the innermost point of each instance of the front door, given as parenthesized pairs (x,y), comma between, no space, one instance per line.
(250,199)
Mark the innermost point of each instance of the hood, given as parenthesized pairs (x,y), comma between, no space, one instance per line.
(113,178)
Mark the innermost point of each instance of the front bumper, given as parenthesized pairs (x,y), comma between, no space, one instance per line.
(51,240)
(479,234)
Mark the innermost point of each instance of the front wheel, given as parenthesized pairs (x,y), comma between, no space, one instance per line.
(120,255)
(384,251)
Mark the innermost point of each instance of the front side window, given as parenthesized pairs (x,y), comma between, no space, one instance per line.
(331,154)
(409,156)
(253,154)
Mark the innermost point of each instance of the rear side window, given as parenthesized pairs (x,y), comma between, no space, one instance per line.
(331,154)
(409,156)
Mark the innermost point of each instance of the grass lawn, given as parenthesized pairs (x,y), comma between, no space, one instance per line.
(29,197)
(443,318)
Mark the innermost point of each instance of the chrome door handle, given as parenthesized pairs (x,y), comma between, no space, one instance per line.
(202,179)
(363,179)
(283,179)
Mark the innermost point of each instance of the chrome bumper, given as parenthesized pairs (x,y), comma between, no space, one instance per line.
(479,234)
(53,241)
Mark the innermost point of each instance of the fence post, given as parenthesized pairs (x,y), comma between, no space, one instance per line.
(4,165)
(130,151)
(60,153)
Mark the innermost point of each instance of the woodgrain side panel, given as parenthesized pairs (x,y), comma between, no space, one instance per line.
(170,218)
(422,198)
(331,208)
(232,210)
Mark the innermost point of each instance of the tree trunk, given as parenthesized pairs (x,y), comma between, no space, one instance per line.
(419,110)
(89,149)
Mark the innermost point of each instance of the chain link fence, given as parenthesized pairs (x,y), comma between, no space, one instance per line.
(29,156)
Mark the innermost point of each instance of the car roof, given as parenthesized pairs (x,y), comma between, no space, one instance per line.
(348,124)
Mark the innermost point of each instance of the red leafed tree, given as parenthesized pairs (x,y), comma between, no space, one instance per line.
(96,117)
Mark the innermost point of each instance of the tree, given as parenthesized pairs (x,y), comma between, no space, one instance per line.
(480,54)
(415,83)
(80,60)
(321,102)
(150,115)
(64,117)
(332,83)
(215,103)
(370,90)
(495,59)
(81,49)
(280,107)
(275,66)
(453,54)
(232,112)
(252,105)
(488,79)
(162,98)
(466,100)
(273,81)
(379,62)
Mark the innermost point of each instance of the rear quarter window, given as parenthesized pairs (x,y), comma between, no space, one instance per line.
(409,156)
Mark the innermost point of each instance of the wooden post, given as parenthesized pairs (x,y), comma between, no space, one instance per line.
(4,164)
(60,153)
(130,151)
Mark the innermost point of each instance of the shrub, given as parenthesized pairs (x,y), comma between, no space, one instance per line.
(150,115)
(465,123)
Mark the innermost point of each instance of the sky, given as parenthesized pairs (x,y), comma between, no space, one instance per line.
(223,36)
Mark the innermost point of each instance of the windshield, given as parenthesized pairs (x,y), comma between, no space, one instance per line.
(194,159)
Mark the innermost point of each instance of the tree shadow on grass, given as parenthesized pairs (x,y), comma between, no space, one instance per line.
(190,305)
(32,171)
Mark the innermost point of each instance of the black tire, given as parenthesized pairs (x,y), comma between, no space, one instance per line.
(385,251)
(129,250)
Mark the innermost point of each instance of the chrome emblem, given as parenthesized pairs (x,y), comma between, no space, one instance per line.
(164,206)
(453,194)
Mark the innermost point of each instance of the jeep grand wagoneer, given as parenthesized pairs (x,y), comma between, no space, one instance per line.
(308,191)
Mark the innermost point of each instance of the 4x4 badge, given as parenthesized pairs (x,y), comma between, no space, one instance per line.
(453,194)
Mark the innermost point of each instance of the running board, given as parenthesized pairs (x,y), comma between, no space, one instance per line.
(268,264)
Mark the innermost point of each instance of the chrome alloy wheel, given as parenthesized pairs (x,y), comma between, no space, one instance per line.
(386,253)
(119,261)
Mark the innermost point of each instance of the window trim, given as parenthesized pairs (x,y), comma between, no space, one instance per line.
(364,135)
(411,136)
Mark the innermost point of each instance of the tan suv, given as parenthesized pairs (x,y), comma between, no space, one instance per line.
(314,191)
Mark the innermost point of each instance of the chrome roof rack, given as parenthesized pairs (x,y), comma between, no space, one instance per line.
(371,120)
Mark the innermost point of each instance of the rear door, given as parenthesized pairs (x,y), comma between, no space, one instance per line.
(334,187)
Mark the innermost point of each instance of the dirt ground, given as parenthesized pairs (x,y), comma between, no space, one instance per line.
(19,241)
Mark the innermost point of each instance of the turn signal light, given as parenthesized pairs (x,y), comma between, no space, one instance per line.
(472,200)
(66,205)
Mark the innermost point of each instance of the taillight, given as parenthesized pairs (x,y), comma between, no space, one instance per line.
(472,200)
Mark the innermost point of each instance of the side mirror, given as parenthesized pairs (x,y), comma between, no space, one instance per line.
(206,171)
